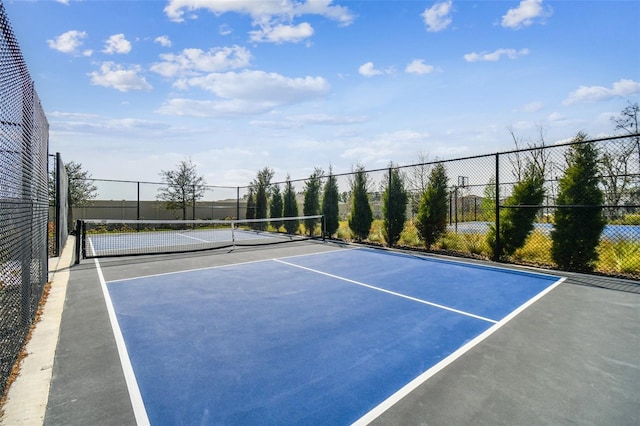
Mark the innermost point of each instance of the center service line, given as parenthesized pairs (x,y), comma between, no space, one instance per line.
(404,296)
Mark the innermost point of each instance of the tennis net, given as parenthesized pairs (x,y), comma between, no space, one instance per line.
(110,238)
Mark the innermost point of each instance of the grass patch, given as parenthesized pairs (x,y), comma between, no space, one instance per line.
(465,243)
(628,219)
(621,256)
(375,233)
(536,250)
(409,236)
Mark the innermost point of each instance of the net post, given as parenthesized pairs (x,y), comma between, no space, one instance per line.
(233,234)
(83,238)
(323,225)
(237,202)
(78,243)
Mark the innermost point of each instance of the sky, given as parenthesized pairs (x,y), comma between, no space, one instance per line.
(132,88)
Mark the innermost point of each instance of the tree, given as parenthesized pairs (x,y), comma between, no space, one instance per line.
(417,180)
(361,215)
(251,205)
(516,223)
(184,187)
(628,120)
(578,219)
(261,187)
(330,205)
(394,206)
(432,211)
(311,205)
(275,208)
(616,158)
(81,188)
(290,207)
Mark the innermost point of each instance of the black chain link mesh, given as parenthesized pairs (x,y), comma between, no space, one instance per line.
(23,200)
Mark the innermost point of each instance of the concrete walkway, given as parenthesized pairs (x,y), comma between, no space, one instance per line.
(27,398)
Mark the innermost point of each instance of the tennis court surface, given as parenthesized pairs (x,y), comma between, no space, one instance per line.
(322,333)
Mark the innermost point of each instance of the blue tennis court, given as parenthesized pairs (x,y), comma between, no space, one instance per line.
(325,338)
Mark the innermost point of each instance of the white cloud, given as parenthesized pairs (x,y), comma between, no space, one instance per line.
(417,66)
(282,33)
(117,43)
(262,9)
(244,93)
(194,61)
(438,17)
(260,86)
(119,78)
(369,70)
(273,18)
(224,29)
(163,41)
(495,55)
(213,108)
(524,15)
(70,43)
(621,88)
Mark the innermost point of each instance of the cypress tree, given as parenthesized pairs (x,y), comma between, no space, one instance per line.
(394,206)
(251,206)
(330,205)
(261,185)
(290,207)
(361,215)
(517,223)
(311,206)
(578,226)
(432,211)
(276,207)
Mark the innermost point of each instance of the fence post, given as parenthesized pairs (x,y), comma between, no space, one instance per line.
(238,202)
(496,254)
(138,203)
(58,206)
(193,207)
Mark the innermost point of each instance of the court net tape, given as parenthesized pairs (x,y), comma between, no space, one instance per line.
(110,238)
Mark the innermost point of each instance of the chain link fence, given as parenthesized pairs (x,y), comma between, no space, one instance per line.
(469,215)
(23,200)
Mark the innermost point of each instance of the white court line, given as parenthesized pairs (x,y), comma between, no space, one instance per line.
(412,385)
(224,266)
(404,296)
(195,238)
(137,404)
